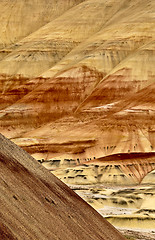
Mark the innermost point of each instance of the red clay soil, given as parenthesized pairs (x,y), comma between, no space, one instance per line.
(37,205)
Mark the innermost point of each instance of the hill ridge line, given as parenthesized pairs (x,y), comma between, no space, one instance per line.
(107,75)
(18,42)
(81,104)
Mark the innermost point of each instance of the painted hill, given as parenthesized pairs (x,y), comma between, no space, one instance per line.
(36,205)
(49,44)
(82,88)
(21,18)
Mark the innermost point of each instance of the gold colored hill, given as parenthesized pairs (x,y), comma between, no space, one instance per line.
(18,19)
(35,204)
(45,47)
(84,87)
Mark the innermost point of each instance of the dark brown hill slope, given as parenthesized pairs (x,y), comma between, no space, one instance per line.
(36,205)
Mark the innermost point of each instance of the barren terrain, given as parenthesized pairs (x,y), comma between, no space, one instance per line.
(77,92)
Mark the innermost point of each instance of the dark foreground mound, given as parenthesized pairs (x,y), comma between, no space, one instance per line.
(36,205)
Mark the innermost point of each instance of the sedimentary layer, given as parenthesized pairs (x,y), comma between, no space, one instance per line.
(85,87)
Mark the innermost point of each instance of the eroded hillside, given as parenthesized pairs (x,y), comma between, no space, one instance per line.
(81,84)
